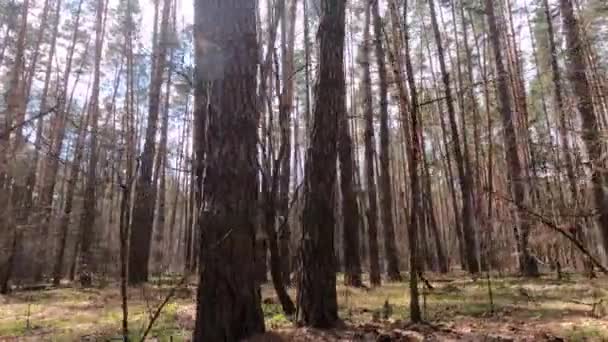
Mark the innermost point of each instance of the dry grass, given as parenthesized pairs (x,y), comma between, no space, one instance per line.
(457,306)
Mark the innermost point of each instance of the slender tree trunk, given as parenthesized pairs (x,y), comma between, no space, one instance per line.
(145,194)
(287,94)
(372,211)
(64,221)
(386,194)
(87,220)
(462,160)
(414,156)
(515,173)
(350,208)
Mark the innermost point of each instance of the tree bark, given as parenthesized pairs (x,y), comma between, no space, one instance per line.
(287,94)
(582,92)
(414,156)
(317,298)
(229,303)
(386,194)
(372,211)
(145,193)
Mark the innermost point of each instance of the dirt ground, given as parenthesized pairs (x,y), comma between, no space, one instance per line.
(457,308)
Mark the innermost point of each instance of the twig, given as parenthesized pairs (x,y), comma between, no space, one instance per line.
(26,122)
(162,306)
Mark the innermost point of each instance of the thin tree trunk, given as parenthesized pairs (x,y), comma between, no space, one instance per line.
(145,193)
(516,175)
(372,212)
(88,217)
(462,160)
(287,94)
(386,194)
(414,156)
(69,198)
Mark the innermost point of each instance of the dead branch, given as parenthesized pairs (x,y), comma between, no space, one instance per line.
(553,226)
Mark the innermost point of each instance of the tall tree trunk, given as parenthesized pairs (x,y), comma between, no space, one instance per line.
(414,156)
(88,217)
(58,123)
(515,173)
(145,193)
(69,198)
(229,303)
(582,91)
(386,194)
(159,234)
(463,163)
(350,207)
(287,94)
(317,298)
(372,211)
(31,180)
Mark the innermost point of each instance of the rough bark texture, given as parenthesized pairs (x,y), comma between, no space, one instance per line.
(386,193)
(317,298)
(145,193)
(228,298)
(515,172)
(372,211)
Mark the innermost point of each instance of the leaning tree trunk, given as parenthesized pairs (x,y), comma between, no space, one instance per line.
(515,172)
(229,303)
(145,193)
(317,298)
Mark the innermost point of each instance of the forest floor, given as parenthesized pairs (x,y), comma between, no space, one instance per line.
(456,309)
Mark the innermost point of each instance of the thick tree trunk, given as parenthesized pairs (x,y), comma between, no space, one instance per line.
(591,134)
(515,172)
(372,211)
(386,194)
(229,303)
(317,298)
